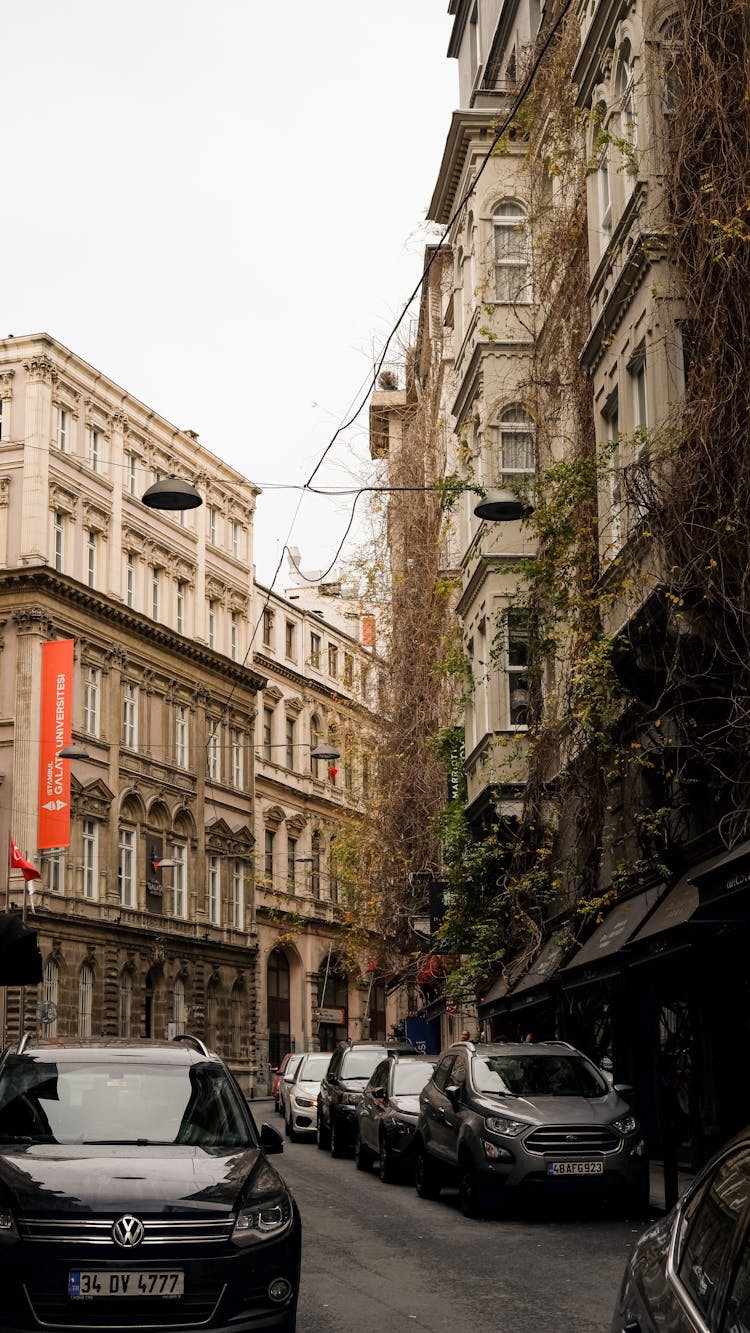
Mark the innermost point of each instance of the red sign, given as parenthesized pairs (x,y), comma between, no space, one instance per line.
(55,731)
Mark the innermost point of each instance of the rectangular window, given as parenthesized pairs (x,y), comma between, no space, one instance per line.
(91,559)
(91,692)
(291,864)
(517,669)
(95,450)
(214,890)
(59,534)
(61,429)
(179,880)
(212,624)
(90,859)
(1,418)
(315,650)
(511,244)
(348,670)
(130,717)
(130,579)
(290,743)
(267,627)
(131,473)
(268,852)
(213,525)
(236,752)
(181,736)
(54,867)
(333,660)
(155,591)
(180,607)
(637,372)
(234,636)
(604,197)
(267,733)
(238,895)
(213,752)
(289,639)
(127,867)
(365,776)
(236,539)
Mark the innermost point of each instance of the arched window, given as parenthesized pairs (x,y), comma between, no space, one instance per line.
(515,443)
(316,736)
(178,1009)
(625,93)
(125,1018)
(511,254)
(603,183)
(50,993)
(85,999)
(235,1020)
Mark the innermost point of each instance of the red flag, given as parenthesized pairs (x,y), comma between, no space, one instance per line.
(19,862)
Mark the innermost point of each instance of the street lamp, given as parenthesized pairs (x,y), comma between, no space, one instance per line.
(325,752)
(503,506)
(172,493)
(73,751)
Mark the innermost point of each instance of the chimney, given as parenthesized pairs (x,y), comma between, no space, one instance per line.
(368,631)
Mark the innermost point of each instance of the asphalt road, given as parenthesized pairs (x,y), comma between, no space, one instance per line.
(377,1259)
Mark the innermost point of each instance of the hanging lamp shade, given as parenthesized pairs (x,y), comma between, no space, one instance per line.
(325,752)
(502,506)
(172,493)
(73,751)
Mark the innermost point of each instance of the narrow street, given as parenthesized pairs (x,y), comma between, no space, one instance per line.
(376,1257)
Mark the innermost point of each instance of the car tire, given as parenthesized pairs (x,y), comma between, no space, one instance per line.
(289,1130)
(362,1155)
(387,1168)
(322,1137)
(338,1146)
(427,1180)
(470,1193)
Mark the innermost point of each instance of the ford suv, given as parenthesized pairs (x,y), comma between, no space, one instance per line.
(542,1116)
(135,1190)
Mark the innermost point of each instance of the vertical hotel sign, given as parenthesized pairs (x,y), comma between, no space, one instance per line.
(56,727)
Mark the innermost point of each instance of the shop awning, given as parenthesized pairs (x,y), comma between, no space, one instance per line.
(675,910)
(548,961)
(723,875)
(501,998)
(617,928)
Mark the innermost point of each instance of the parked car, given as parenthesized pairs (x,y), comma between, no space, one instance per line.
(387,1114)
(542,1116)
(287,1077)
(341,1088)
(136,1191)
(690,1271)
(277,1074)
(302,1095)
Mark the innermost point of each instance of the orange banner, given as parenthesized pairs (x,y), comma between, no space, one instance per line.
(55,731)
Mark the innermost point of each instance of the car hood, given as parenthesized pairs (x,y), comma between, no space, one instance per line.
(79,1178)
(559,1110)
(306,1088)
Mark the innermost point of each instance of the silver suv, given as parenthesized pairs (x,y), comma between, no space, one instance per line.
(542,1116)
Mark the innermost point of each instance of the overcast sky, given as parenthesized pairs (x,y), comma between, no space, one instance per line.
(221,206)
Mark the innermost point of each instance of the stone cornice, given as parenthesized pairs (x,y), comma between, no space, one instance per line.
(466,127)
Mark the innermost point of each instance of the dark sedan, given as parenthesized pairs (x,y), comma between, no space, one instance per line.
(690,1272)
(387,1114)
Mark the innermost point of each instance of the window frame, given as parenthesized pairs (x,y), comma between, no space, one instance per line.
(510,217)
(90,860)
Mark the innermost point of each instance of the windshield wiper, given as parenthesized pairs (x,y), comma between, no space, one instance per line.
(119,1143)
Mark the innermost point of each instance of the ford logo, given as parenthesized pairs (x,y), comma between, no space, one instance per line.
(128,1232)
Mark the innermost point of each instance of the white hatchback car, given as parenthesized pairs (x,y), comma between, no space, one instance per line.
(300,1094)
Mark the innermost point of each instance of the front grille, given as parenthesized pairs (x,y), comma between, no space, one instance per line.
(98,1231)
(572,1141)
(52,1309)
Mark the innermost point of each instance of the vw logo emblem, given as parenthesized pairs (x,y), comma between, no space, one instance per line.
(128,1231)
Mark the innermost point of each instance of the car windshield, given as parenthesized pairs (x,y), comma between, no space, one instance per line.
(361,1064)
(536,1075)
(290,1073)
(409,1079)
(118,1101)
(313,1068)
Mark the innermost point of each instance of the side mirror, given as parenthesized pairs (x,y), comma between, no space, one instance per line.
(624,1090)
(270,1139)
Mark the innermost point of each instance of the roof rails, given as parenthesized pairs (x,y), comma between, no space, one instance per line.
(195,1042)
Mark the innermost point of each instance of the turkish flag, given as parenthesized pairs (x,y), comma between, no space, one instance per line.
(19,862)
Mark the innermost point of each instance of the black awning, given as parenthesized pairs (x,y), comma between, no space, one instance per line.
(675,910)
(722,875)
(20,959)
(502,998)
(617,928)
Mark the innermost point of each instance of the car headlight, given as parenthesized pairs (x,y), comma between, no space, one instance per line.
(8,1229)
(306,1101)
(263,1221)
(501,1124)
(351,1098)
(627,1124)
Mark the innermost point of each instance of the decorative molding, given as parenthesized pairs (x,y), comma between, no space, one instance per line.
(33,620)
(294,705)
(6,384)
(95,518)
(4,492)
(39,370)
(62,499)
(117,657)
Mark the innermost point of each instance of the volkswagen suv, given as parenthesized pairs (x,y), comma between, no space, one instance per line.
(136,1190)
(542,1116)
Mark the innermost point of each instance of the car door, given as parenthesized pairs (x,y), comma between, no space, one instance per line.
(455,1109)
(327,1089)
(370,1109)
(433,1106)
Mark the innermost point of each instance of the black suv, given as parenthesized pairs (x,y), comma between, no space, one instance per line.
(351,1066)
(541,1116)
(135,1190)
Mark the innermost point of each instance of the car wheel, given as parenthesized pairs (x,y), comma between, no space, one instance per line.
(338,1147)
(426,1175)
(289,1130)
(362,1155)
(387,1169)
(321,1135)
(469,1188)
